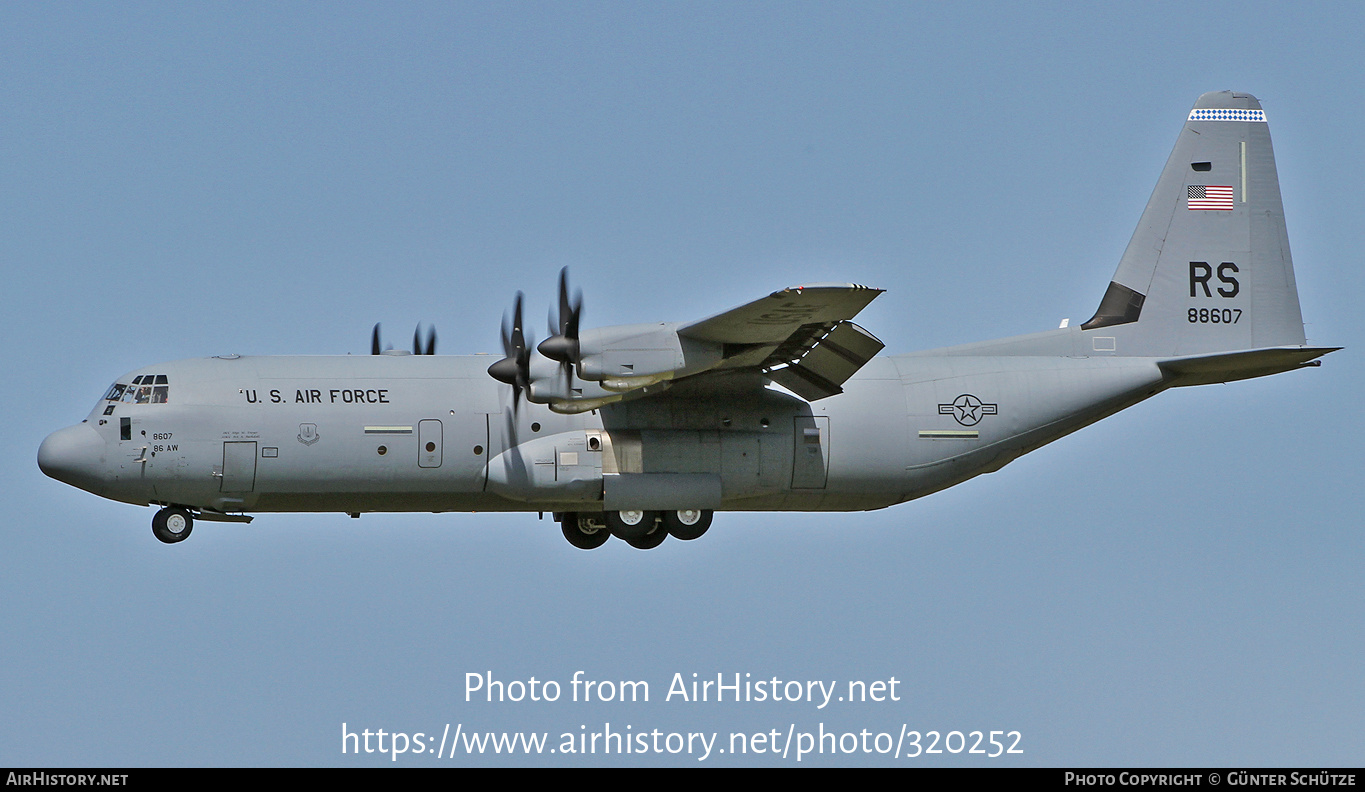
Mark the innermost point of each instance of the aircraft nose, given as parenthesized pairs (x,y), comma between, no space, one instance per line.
(74,456)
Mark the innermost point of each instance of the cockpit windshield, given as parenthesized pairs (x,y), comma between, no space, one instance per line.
(144,389)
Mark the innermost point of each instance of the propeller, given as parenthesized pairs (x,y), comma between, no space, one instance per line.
(515,368)
(419,347)
(512,463)
(429,348)
(562,345)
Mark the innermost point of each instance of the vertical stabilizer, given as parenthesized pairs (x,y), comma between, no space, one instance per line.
(1208,269)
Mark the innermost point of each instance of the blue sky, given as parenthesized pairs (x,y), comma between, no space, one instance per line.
(1177,585)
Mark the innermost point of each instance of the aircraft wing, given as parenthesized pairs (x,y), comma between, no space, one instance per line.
(800,337)
(775,318)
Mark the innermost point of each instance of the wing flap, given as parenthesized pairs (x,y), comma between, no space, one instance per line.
(822,367)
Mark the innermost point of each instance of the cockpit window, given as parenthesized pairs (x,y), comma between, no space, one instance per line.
(144,389)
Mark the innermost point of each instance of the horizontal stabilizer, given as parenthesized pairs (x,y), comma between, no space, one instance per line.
(1232,366)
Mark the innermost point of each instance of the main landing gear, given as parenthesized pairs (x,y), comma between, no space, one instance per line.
(584,531)
(172,524)
(686,524)
(643,530)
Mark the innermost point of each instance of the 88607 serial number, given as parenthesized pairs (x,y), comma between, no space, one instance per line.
(1214,315)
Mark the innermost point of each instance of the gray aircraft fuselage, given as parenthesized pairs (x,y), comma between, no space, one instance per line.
(352,434)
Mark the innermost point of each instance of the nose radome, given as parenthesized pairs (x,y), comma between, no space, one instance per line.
(74,456)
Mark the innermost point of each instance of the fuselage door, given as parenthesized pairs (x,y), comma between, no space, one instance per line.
(239,467)
(810,458)
(429,444)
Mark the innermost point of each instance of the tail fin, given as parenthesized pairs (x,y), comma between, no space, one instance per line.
(1208,269)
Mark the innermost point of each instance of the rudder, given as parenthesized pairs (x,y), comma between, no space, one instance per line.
(1208,268)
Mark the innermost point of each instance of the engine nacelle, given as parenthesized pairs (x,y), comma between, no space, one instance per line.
(626,357)
(553,469)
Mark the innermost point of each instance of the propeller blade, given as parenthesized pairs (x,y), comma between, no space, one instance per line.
(565,310)
(506,336)
(518,337)
(571,330)
(513,460)
(427,348)
(374,340)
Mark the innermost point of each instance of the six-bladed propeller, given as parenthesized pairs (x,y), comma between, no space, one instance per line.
(515,368)
(419,347)
(562,345)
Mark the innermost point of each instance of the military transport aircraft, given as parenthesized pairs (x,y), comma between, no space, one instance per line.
(643,431)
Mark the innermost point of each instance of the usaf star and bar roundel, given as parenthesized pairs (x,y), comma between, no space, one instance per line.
(968,410)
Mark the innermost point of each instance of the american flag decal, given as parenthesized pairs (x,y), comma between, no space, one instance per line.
(1209,196)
